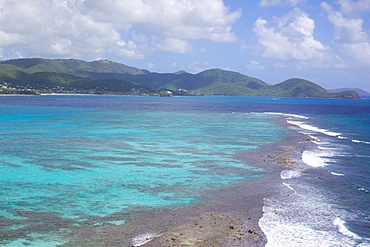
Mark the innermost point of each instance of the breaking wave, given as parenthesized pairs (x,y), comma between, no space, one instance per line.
(144,238)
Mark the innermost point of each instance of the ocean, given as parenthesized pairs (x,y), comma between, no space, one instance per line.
(76,161)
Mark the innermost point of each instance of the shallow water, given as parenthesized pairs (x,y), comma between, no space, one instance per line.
(92,162)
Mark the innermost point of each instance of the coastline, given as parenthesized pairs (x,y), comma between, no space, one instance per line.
(226,217)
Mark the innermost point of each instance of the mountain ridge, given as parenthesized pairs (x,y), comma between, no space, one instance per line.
(41,75)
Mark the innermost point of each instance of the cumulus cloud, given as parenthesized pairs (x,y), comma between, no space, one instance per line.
(53,28)
(290,38)
(347,30)
(172,45)
(130,49)
(269,3)
(358,54)
(150,66)
(95,28)
(192,19)
(254,65)
(350,7)
(350,37)
(196,66)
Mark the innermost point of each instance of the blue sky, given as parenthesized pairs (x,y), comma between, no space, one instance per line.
(326,42)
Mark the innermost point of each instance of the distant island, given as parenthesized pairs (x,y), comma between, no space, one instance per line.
(72,76)
(361,92)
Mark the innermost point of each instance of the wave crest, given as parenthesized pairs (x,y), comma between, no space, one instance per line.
(144,238)
(343,229)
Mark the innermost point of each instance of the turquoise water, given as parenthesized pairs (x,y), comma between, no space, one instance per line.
(64,166)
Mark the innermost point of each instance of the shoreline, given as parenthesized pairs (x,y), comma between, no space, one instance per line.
(226,217)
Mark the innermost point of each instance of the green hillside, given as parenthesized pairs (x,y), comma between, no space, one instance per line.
(216,80)
(37,79)
(294,88)
(77,76)
(51,82)
(101,66)
(68,66)
(236,89)
(33,65)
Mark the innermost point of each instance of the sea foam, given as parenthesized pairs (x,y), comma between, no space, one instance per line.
(343,229)
(303,218)
(288,174)
(289,186)
(309,127)
(337,174)
(363,189)
(313,159)
(358,141)
(144,238)
(286,115)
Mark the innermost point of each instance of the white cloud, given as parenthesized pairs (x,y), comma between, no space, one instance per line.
(150,66)
(96,28)
(10,54)
(202,50)
(254,65)
(358,54)
(350,38)
(280,65)
(290,38)
(350,7)
(191,19)
(130,50)
(54,28)
(171,45)
(269,3)
(347,30)
(196,66)
(174,65)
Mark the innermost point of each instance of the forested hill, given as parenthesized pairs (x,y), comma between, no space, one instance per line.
(37,75)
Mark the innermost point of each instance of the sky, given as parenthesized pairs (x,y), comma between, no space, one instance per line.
(326,42)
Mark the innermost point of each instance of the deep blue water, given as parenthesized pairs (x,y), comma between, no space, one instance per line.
(83,160)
